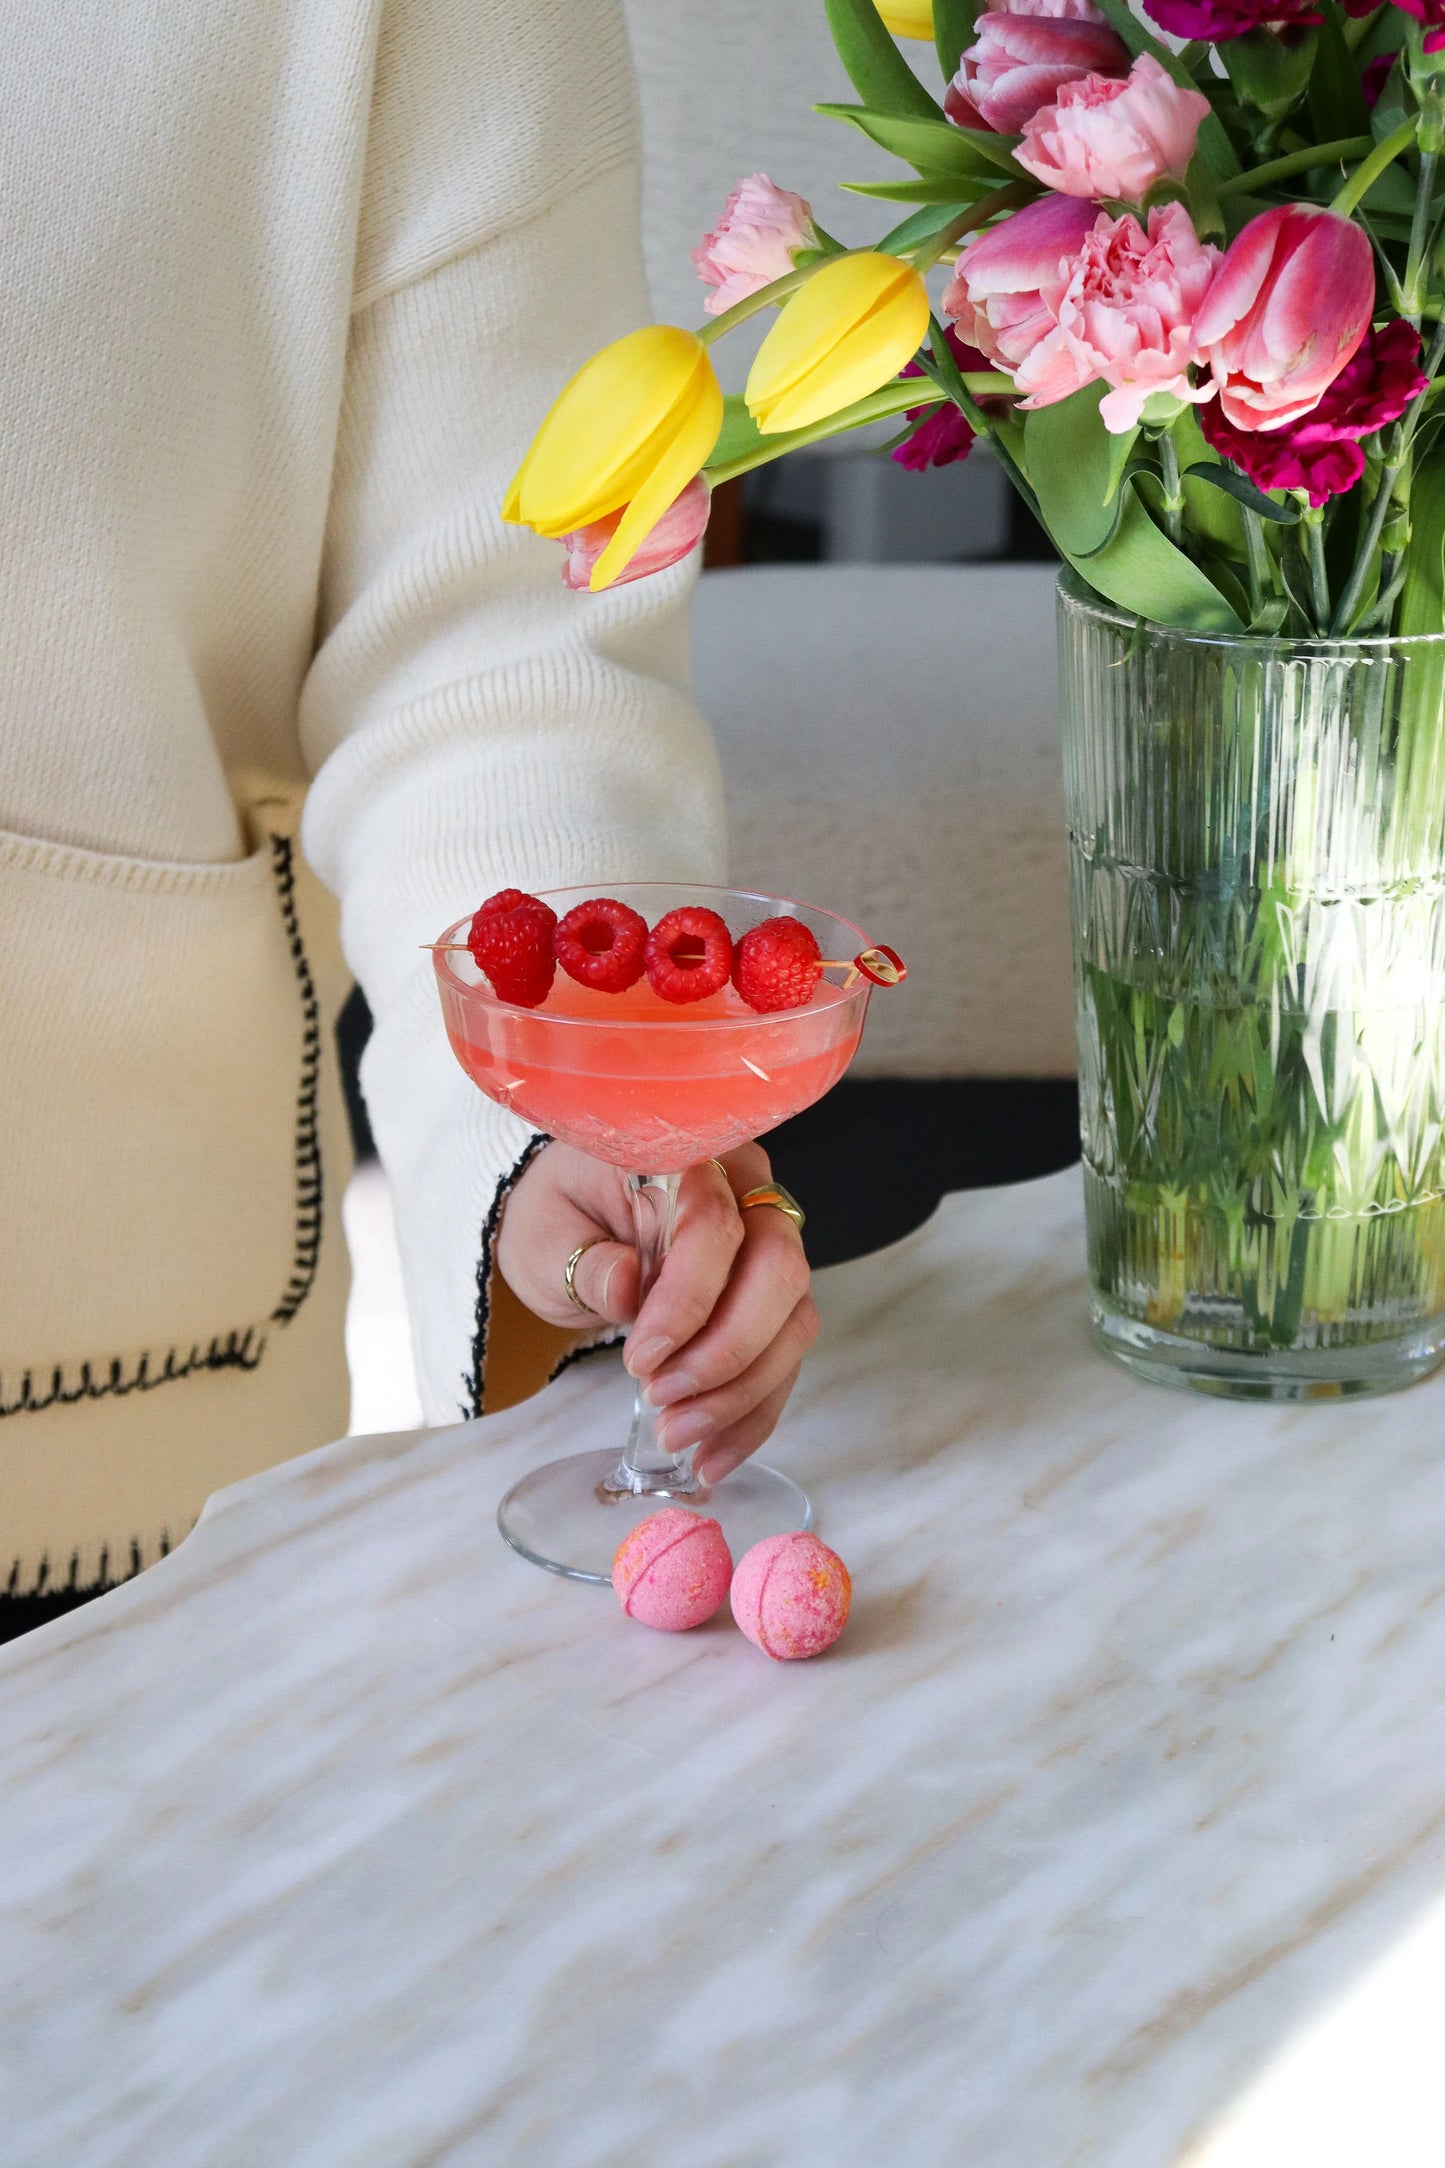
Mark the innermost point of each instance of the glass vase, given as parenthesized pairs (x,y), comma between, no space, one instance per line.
(1257,877)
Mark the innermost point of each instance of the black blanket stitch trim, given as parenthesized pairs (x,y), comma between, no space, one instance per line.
(241,1350)
(471,1405)
(67,1594)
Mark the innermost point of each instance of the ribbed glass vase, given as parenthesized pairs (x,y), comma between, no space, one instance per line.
(1257,871)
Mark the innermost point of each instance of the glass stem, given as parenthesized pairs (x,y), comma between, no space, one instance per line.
(645,1465)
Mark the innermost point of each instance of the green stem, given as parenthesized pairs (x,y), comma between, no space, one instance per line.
(879,406)
(939,365)
(766,297)
(1173,488)
(978,214)
(1375,527)
(1380,509)
(1364,177)
(1314,527)
(1283,169)
(1419,225)
(1257,555)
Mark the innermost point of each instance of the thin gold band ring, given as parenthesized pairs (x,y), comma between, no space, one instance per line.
(569,1274)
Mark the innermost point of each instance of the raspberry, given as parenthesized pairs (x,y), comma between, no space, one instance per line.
(511,941)
(777,964)
(603,944)
(689,954)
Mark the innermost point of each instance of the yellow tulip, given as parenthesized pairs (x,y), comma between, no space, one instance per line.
(907,18)
(849,330)
(626,434)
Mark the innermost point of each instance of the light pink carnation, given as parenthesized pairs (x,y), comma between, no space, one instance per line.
(1126,317)
(679,530)
(1103,138)
(753,242)
(1022,56)
(1005,292)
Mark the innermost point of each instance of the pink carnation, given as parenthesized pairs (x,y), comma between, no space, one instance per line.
(942,436)
(1126,317)
(753,242)
(1102,137)
(1021,59)
(1321,452)
(1218,20)
(679,530)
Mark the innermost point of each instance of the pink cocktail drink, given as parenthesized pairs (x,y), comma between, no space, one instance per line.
(646,1085)
(653,1087)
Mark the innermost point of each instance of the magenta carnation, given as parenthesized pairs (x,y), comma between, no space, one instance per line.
(1374,76)
(942,435)
(1429,12)
(1321,452)
(1217,20)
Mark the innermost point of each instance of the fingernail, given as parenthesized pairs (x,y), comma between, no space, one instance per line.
(675,1433)
(643,1360)
(677,1385)
(715,1470)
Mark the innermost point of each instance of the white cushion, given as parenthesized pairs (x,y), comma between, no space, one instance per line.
(889,741)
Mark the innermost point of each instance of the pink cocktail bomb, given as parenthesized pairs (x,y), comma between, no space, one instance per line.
(673,1571)
(790,1595)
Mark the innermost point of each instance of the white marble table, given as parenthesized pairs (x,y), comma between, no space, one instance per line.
(1113,1833)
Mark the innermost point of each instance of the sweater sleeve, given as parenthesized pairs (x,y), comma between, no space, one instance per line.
(469,723)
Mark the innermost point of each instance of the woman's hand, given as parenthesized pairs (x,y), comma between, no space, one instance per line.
(723,1331)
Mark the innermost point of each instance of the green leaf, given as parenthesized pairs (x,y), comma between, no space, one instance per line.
(1142,571)
(1422,602)
(953,25)
(1239,486)
(933,146)
(921,226)
(1071,464)
(877,70)
(1209,514)
(739,433)
(741,445)
(1271,74)
(929,233)
(1336,102)
(1120,448)
(940,188)
(1213,141)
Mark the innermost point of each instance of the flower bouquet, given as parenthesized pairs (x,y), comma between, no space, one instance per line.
(1188,281)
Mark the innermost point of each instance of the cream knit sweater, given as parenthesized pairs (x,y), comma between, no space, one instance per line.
(285,291)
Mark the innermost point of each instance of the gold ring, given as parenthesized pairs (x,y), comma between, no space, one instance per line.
(781,1199)
(722,1170)
(569,1274)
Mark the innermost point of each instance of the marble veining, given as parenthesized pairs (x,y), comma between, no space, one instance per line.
(344,1839)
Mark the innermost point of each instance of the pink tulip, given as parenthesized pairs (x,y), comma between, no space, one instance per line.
(1022,57)
(1102,138)
(679,530)
(1005,292)
(753,242)
(1126,317)
(1285,311)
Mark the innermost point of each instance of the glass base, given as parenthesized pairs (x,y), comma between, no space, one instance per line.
(1168,1358)
(567,1516)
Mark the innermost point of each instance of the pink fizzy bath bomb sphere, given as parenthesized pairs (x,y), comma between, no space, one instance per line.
(791,1595)
(673,1571)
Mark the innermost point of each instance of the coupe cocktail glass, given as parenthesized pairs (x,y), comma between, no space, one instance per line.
(654,1088)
